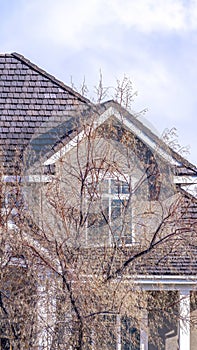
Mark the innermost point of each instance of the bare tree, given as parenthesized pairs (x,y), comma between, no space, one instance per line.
(76,239)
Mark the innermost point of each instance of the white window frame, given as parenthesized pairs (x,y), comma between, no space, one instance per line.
(115,196)
(118,330)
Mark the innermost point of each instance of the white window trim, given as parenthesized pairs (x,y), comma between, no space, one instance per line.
(109,195)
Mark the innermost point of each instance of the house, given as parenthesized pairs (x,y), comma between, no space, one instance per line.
(98,223)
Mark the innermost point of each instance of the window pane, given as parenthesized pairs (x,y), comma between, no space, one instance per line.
(116,208)
(105,186)
(118,187)
(115,186)
(116,218)
(98,215)
(125,187)
(109,332)
(5,344)
(129,334)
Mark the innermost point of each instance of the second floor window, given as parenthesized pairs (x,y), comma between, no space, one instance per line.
(112,221)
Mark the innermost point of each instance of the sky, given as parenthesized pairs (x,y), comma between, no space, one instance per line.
(152,42)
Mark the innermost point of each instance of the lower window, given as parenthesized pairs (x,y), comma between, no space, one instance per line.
(114,332)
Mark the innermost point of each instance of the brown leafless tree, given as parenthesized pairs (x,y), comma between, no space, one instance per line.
(75,241)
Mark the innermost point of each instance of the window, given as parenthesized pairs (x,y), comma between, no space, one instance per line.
(111,211)
(5,344)
(116,195)
(12,203)
(115,332)
(130,335)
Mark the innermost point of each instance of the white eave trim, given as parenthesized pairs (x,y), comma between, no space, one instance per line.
(111,111)
(27,178)
(166,279)
(187,180)
(187,183)
(165,282)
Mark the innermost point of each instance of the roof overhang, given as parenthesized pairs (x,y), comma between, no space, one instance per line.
(137,131)
(166,282)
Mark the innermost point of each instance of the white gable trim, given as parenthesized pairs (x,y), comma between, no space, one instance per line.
(185,180)
(111,111)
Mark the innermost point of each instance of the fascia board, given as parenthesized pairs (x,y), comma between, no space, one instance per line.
(65,149)
(113,112)
(163,282)
(166,278)
(146,139)
(185,180)
(27,179)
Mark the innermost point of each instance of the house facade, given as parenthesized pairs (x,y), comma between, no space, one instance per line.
(99,217)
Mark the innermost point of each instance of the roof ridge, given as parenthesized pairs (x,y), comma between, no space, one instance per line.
(49,76)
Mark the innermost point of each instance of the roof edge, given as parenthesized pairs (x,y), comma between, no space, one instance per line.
(185,193)
(150,134)
(49,76)
(103,116)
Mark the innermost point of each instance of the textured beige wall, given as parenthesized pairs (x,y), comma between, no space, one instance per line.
(193,327)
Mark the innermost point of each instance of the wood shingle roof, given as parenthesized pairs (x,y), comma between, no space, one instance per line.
(30,97)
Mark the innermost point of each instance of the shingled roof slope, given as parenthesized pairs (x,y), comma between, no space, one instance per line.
(34,104)
(31,99)
(28,98)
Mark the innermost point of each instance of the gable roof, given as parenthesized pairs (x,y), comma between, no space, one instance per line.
(33,102)
(28,98)
(31,99)
(184,172)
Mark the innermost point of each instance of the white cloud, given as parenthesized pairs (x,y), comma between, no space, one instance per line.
(151,15)
(80,23)
(153,41)
(77,21)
